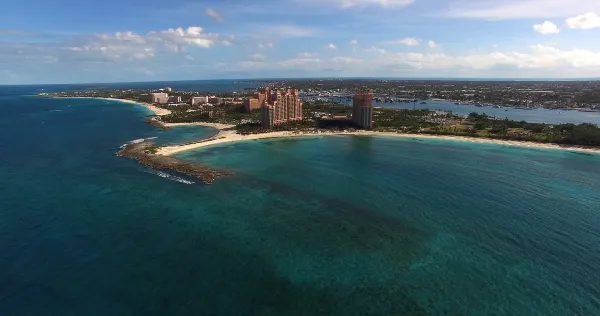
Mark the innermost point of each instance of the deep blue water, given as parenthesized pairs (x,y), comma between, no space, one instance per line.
(307,226)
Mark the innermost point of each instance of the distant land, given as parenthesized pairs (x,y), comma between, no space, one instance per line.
(458,79)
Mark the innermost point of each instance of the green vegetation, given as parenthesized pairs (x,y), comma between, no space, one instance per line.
(481,125)
(225,114)
(151,149)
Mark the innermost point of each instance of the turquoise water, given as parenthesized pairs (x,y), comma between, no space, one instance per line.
(325,225)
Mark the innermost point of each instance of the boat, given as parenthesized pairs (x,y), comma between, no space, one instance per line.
(423,102)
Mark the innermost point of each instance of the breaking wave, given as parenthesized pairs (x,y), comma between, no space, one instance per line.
(135,141)
(169,177)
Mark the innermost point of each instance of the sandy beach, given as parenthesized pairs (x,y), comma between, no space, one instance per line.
(218,126)
(229,135)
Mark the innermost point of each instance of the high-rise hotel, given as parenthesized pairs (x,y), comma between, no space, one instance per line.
(278,107)
(362,109)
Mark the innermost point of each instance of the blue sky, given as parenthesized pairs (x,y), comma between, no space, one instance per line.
(72,41)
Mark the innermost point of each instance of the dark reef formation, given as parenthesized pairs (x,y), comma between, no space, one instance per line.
(145,153)
(153,121)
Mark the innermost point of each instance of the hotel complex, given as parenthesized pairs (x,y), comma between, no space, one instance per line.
(277,107)
(362,109)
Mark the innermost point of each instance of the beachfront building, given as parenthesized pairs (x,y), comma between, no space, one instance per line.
(262,96)
(279,107)
(362,109)
(160,98)
(174,99)
(251,104)
(215,100)
(199,100)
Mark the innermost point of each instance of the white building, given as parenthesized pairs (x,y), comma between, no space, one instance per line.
(160,98)
(199,100)
(169,89)
(174,99)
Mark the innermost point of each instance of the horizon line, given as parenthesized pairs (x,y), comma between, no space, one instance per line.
(507,79)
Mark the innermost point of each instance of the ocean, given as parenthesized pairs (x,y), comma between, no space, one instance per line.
(316,225)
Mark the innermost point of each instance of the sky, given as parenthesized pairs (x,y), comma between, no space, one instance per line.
(90,41)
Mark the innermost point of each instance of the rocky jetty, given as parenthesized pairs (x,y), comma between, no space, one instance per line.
(153,121)
(145,153)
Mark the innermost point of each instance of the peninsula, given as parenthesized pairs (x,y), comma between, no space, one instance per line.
(282,113)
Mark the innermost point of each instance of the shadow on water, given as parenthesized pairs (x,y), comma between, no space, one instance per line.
(214,278)
(319,223)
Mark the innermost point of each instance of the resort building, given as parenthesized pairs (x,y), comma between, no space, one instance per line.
(199,100)
(362,109)
(160,98)
(174,99)
(215,100)
(279,107)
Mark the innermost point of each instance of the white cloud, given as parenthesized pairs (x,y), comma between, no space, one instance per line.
(265,45)
(346,60)
(377,50)
(519,9)
(538,57)
(192,36)
(409,41)
(287,31)
(546,28)
(306,55)
(298,62)
(345,4)
(331,46)
(214,15)
(585,21)
(433,44)
(258,56)
(119,46)
(354,42)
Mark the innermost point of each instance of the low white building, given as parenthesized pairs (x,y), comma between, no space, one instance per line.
(160,98)
(199,100)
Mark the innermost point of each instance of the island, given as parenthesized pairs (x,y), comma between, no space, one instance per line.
(284,111)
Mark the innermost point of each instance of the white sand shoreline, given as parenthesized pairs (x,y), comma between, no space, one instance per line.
(228,136)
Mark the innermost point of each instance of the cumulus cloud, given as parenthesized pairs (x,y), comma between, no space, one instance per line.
(585,21)
(433,44)
(354,42)
(546,28)
(331,46)
(119,46)
(214,15)
(409,41)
